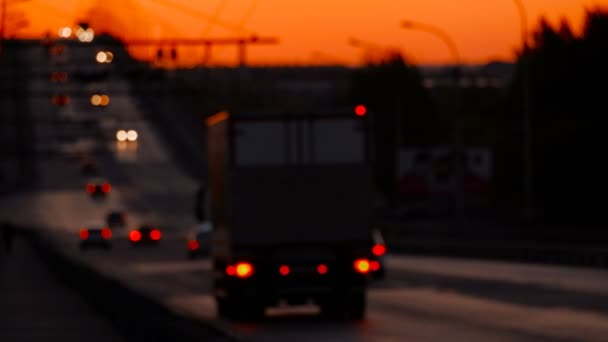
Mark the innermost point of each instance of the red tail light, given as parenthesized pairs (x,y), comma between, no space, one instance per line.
(374,266)
(91,188)
(362,266)
(134,236)
(193,245)
(322,269)
(84,234)
(360,110)
(241,270)
(244,269)
(106,188)
(155,234)
(106,233)
(379,250)
(284,270)
(231,270)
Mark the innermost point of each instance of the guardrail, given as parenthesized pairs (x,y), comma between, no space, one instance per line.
(136,316)
(492,242)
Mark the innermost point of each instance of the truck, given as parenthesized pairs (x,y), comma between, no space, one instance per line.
(290,199)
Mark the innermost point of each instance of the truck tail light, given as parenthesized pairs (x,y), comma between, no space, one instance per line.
(284,270)
(84,234)
(244,269)
(362,266)
(241,270)
(374,265)
(322,269)
(379,250)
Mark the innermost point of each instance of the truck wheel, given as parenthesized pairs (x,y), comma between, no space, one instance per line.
(357,306)
(333,308)
(240,312)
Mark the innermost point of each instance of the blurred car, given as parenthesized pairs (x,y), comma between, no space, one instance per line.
(88,166)
(95,236)
(100,100)
(59,76)
(130,135)
(116,219)
(377,265)
(98,188)
(198,241)
(61,100)
(145,235)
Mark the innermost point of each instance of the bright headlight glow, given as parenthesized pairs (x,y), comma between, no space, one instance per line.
(121,135)
(101,57)
(105,100)
(65,32)
(95,100)
(132,135)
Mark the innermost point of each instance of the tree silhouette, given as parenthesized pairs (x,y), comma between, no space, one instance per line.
(568,76)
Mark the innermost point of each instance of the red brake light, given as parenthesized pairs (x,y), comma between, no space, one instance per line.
(375,265)
(106,187)
(134,236)
(91,188)
(362,265)
(84,234)
(378,250)
(322,269)
(244,269)
(360,110)
(231,270)
(155,234)
(106,233)
(284,270)
(193,245)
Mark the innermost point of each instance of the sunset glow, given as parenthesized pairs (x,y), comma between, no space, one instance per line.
(310,32)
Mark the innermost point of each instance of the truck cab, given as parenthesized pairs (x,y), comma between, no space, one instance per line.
(291,202)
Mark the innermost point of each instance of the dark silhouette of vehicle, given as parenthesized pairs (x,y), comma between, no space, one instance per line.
(198,241)
(98,188)
(95,237)
(116,219)
(291,203)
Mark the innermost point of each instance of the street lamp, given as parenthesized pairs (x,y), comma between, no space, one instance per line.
(447,40)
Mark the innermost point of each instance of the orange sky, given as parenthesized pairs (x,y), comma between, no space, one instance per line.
(310,31)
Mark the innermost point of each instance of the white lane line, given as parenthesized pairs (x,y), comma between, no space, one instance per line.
(569,278)
(550,322)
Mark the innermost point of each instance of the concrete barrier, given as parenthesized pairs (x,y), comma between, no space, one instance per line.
(136,316)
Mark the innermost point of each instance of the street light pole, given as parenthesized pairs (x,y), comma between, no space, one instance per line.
(528,189)
(459,190)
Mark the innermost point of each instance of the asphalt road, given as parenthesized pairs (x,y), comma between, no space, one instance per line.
(423,299)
